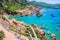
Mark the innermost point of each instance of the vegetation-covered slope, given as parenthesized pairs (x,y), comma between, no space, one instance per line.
(13,5)
(45,5)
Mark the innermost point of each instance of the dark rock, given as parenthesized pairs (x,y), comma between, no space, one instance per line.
(52,15)
(26,15)
(21,16)
(57,28)
(1,39)
(38,14)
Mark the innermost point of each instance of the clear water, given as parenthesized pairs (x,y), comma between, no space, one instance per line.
(50,22)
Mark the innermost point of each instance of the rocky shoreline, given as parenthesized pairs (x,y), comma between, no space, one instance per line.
(14,24)
(21,26)
(28,12)
(25,12)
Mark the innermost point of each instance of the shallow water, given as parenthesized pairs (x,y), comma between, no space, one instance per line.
(50,22)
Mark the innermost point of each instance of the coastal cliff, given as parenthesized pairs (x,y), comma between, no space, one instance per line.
(21,28)
(27,12)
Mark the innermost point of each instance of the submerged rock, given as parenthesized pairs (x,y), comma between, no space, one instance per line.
(47,28)
(42,27)
(57,28)
(52,15)
(48,32)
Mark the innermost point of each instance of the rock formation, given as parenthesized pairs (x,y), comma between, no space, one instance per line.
(38,14)
(53,36)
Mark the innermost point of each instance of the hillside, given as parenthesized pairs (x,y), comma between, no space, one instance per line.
(13,5)
(45,5)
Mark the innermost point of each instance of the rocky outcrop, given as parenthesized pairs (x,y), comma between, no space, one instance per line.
(38,14)
(42,34)
(53,36)
(27,12)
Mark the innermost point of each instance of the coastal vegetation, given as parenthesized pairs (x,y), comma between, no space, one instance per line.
(2,35)
(23,29)
(12,6)
(22,8)
(45,5)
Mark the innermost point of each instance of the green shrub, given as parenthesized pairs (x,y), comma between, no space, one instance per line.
(2,34)
(26,31)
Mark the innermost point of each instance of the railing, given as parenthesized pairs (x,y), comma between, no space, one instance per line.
(34,32)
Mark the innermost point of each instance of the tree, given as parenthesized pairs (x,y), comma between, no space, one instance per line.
(2,35)
(23,2)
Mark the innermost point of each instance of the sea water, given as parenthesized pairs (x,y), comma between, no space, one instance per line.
(50,22)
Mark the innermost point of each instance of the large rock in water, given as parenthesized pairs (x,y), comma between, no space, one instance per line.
(38,14)
(42,32)
(53,36)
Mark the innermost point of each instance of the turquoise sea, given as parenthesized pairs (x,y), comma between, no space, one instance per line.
(52,23)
